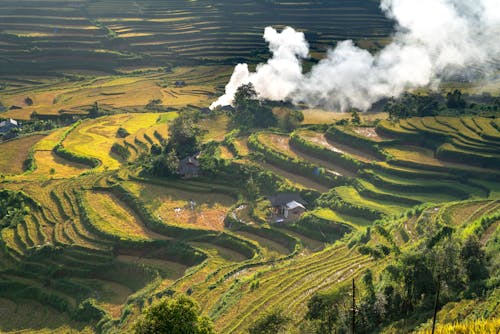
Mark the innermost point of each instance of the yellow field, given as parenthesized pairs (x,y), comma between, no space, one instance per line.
(14,152)
(130,92)
(319,116)
(49,164)
(95,138)
(113,217)
(279,143)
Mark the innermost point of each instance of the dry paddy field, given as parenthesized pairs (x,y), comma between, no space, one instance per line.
(184,208)
(14,152)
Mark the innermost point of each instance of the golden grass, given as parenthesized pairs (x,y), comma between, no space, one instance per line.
(216,128)
(225,153)
(13,153)
(128,92)
(416,154)
(481,326)
(51,165)
(94,138)
(112,216)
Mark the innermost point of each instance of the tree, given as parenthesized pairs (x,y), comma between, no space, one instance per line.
(249,111)
(273,322)
(330,310)
(180,315)
(94,110)
(355,119)
(454,100)
(290,119)
(474,260)
(183,137)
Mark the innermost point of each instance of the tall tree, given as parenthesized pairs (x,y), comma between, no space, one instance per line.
(249,111)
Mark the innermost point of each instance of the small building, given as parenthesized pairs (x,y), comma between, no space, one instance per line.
(287,207)
(189,167)
(180,84)
(294,210)
(7,125)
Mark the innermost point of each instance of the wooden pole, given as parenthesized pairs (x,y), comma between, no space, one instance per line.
(436,304)
(353,325)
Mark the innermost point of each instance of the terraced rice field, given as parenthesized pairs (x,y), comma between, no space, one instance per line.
(113,34)
(320,139)
(127,92)
(125,238)
(111,216)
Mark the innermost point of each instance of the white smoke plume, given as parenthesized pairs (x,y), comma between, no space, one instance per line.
(433,40)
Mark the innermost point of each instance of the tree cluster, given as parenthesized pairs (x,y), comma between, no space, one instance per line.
(405,288)
(411,105)
(184,141)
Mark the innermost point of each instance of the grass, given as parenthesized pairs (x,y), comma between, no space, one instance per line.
(319,116)
(15,152)
(42,319)
(422,196)
(480,326)
(350,194)
(319,138)
(328,214)
(216,128)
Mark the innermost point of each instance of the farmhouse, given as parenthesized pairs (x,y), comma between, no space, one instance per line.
(7,125)
(287,207)
(189,167)
(180,84)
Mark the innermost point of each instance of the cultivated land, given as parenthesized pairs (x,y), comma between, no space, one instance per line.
(97,228)
(157,236)
(106,35)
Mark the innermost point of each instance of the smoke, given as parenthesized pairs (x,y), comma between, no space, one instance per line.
(433,40)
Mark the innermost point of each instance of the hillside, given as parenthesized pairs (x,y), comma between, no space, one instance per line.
(95,227)
(121,189)
(105,35)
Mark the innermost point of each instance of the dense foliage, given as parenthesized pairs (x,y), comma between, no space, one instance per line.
(174,316)
(13,208)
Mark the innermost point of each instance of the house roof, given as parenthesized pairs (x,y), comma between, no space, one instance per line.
(285,198)
(294,205)
(10,121)
(190,161)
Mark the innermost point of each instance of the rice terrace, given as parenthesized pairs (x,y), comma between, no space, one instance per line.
(267,166)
